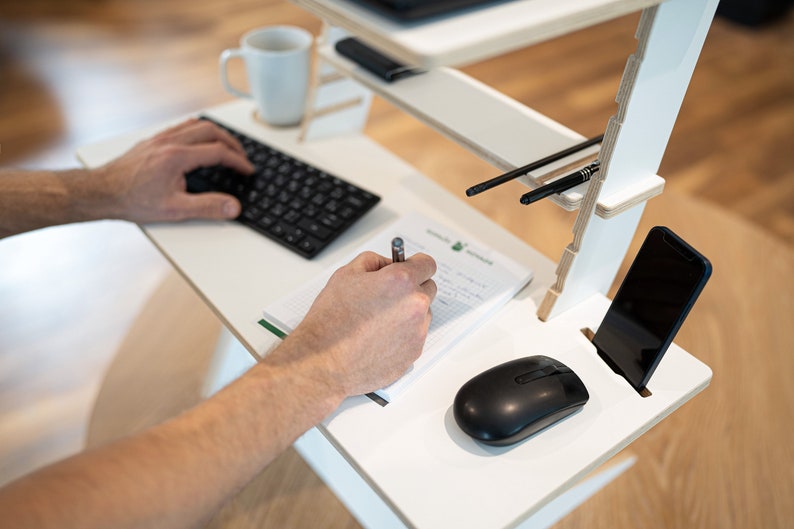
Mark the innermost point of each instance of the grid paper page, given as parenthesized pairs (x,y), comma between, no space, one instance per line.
(473,282)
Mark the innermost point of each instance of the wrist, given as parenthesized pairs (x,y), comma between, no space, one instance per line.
(32,200)
(308,372)
(91,194)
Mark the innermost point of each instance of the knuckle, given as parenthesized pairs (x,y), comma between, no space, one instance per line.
(399,276)
(430,262)
(170,150)
(418,304)
(368,254)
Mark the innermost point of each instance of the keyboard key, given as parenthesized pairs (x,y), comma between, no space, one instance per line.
(314,228)
(331,221)
(287,200)
(265,222)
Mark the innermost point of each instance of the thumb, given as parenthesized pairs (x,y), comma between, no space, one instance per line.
(207,205)
(369,262)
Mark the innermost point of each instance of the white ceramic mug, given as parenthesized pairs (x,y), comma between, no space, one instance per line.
(277,61)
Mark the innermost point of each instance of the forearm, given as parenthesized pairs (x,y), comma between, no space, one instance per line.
(179,473)
(36,199)
(362,332)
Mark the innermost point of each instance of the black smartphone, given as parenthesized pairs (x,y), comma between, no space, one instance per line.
(662,284)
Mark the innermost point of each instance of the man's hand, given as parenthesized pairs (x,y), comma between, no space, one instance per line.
(148,182)
(369,324)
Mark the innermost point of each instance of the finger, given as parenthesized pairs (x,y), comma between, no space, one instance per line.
(430,289)
(421,267)
(207,154)
(175,129)
(196,131)
(203,131)
(368,262)
(209,205)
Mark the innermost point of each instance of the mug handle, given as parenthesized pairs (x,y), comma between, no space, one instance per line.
(225,56)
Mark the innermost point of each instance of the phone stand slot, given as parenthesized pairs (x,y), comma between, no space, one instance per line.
(589,334)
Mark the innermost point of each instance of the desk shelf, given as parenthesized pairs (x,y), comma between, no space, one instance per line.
(458,473)
(494,127)
(498,129)
(471,35)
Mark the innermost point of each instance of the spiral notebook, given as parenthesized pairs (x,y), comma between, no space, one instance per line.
(473,280)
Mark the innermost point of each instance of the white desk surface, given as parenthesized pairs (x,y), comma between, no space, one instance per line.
(411,451)
(473,34)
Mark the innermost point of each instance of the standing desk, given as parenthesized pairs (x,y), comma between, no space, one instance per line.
(407,464)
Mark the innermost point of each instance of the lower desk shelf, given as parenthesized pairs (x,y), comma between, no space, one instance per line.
(439,477)
(410,453)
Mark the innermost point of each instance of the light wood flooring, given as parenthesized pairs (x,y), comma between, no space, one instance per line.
(79,71)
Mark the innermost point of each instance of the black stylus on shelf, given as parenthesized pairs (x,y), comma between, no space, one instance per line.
(515,173)
(562,184)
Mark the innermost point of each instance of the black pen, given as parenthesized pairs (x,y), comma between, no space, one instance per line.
(397,250)
(561,184)
(515,173)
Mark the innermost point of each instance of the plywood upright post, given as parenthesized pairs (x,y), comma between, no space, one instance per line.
(335,103)
(670,37)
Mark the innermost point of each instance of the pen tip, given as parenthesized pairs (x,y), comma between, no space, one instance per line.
(470,192)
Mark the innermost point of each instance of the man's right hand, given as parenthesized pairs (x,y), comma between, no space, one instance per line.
(369,324)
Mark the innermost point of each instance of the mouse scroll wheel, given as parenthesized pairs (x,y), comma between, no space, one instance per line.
(536,374)
(539,373)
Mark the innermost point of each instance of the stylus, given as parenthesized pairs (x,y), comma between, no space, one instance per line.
(515,173)
(562,184)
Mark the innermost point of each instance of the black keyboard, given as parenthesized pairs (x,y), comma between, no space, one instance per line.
(287,200)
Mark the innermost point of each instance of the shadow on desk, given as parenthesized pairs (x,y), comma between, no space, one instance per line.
(723,460)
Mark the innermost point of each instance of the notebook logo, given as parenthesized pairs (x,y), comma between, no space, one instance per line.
(458,246)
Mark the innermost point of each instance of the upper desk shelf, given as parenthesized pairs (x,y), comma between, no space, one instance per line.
(498,129)
(471,35)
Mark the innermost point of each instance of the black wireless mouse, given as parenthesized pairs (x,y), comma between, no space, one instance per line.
(514,400)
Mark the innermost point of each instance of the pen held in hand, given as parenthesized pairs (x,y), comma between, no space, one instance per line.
(562,184)
(397,250)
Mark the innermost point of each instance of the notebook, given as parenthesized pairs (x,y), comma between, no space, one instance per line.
(473,281)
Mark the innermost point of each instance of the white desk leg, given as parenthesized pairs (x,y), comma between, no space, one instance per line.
(352,490)
(229,361)
(561,506)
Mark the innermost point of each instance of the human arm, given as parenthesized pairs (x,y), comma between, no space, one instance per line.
(363,331)
(146,184)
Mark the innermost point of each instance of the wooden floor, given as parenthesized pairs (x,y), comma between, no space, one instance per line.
(79,71)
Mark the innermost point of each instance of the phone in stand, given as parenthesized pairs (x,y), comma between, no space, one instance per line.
(661,286)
